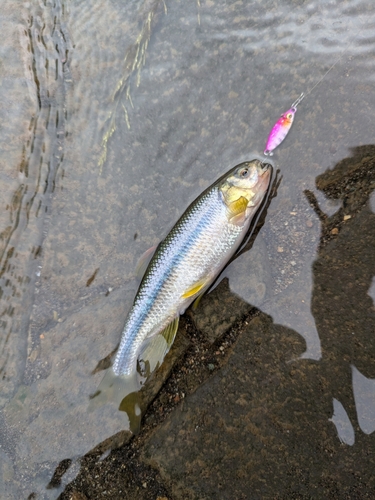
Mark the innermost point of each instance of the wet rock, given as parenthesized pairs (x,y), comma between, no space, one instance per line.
(259,428)
(250,275)
(218,311)
(244,286)
(76,495)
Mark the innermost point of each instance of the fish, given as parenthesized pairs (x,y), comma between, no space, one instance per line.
(281,128)
(187,262)
(181,269)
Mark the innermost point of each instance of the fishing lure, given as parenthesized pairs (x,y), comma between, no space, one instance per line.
(281,128)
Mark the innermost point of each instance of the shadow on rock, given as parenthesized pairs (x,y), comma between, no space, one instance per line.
(343,273)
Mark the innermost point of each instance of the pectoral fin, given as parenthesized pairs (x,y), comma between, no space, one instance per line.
(237,211)
(238,220)
(238,206)
(155,348)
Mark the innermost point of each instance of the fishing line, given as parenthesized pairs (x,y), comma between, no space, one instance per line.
(348,45)
(281,128)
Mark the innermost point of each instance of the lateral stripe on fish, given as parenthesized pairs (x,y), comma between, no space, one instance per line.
(192,255)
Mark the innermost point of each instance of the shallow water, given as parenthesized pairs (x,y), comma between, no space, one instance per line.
(114,119)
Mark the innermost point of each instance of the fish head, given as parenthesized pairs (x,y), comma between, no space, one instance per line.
(244,189)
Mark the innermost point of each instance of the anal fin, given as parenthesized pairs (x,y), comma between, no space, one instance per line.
(155,348)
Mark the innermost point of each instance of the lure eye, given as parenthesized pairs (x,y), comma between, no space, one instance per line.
(289,116)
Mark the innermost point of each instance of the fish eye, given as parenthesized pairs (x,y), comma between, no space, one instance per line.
(244,173)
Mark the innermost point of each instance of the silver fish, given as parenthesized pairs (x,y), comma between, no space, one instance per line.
(184,266)
(187,262)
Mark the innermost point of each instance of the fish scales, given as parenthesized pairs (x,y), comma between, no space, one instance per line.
(192,249)
(187,262)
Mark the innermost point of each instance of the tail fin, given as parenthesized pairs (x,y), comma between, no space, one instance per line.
(123,392)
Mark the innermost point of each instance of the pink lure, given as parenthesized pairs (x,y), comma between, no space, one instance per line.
(281,127)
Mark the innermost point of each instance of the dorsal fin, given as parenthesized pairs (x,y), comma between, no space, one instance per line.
(144,262)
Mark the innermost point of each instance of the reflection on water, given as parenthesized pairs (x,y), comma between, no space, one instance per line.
(364,396)
(343,274)
(214,75)
(135,58)
(342,422)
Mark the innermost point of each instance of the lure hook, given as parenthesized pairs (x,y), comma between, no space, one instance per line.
(297,101)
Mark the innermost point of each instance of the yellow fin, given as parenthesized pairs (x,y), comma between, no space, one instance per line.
(193,290)
(155,348)
(238,206)
(170,331)
(197,302)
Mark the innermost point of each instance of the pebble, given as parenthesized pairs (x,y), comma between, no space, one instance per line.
(335,231)
(347,217)
(211,366)
(77,495)
(280,249)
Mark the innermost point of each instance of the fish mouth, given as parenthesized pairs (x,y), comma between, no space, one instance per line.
(263,166)
(264,176)
(266,168)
